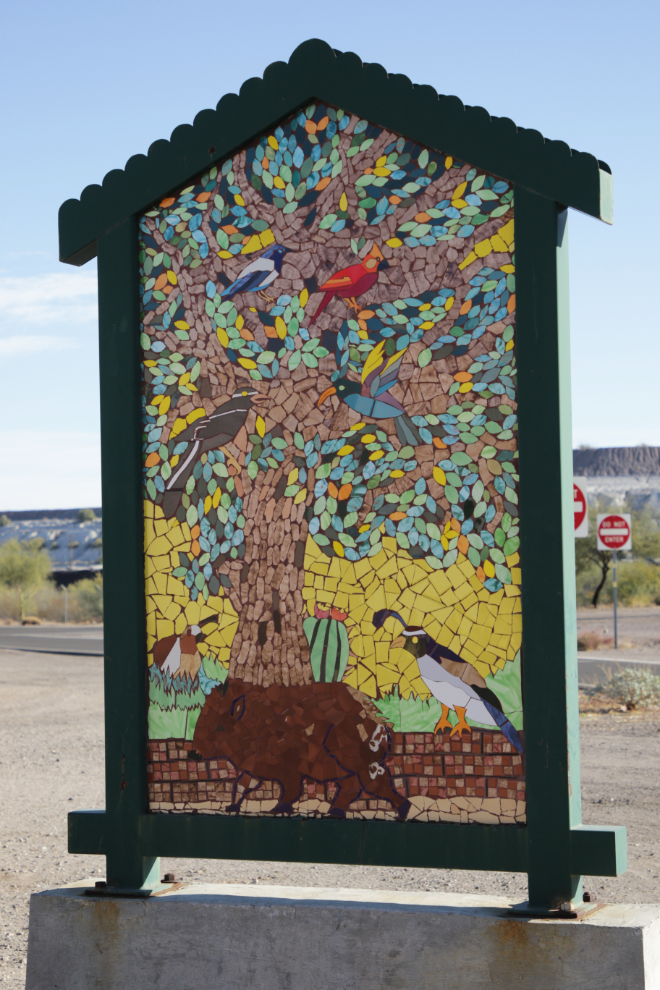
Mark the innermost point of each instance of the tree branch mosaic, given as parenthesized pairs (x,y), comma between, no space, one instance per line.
(330,482)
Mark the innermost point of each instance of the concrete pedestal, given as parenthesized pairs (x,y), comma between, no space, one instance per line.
(232,937)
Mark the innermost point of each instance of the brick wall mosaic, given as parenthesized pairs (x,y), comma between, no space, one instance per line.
(478,781)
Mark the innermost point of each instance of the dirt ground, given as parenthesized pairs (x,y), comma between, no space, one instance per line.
(51,761)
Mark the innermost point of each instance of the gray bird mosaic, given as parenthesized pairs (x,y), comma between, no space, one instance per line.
(210,433)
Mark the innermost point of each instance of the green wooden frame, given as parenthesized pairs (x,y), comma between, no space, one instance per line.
(553,848)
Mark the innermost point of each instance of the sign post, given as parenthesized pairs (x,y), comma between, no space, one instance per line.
(580,507)
(322,352)
(614,533)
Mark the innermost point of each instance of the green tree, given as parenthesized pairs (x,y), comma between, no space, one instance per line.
(86,515)
(23,568)
(586,553)
(645,535)
(645,542)
(37,543)
(4,519)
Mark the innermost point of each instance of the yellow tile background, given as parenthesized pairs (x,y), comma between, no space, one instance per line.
(169,608)
(451,605)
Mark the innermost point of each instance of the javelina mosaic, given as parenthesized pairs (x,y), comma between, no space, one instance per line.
(285,734)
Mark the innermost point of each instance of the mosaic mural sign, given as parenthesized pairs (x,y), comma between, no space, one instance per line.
(330,483)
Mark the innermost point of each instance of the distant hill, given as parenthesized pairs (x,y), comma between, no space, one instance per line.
(616,462)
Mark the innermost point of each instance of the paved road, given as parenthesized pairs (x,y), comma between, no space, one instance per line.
(593,668)
(81,640)
(640,626)
(596,668)
(639,639)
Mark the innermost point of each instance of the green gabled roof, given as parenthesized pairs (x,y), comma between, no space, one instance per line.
(316,71)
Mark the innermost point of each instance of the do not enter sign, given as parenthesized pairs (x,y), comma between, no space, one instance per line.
(614,532)
(580,507)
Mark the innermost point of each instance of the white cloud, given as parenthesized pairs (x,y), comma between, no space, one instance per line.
(60,296)
(49,470)
(33,344)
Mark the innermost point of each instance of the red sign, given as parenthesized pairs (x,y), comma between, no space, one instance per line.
(580,510)
(614,532)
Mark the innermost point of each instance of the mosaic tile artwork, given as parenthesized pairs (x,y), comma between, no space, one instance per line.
(330,483)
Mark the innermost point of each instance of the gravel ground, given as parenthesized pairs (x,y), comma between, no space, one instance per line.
(51,746)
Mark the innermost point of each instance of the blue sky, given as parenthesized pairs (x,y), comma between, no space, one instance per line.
(91,84)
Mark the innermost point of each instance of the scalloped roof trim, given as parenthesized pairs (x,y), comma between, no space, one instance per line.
(317,71)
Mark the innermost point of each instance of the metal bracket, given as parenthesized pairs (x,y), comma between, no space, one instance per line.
(566,912)
(101,889)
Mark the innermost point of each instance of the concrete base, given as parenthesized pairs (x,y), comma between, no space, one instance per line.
(203,937)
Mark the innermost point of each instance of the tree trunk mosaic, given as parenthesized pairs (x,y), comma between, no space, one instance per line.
(330,483)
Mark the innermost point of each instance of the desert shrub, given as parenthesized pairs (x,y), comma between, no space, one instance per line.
(589,641)
(86,600)
(48,603)
(23,570)
(638,580)
(636,688)
(9,604)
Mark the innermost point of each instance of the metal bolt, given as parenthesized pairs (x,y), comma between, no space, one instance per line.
(169,878)
(586,897)
(100,883)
